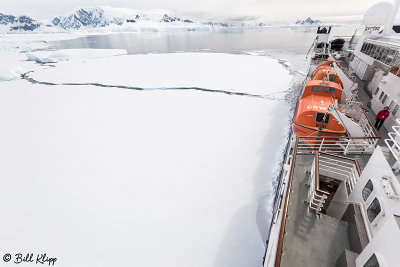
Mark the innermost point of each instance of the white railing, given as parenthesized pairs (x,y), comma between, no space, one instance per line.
(340,169)
(393,143)
(333,167)
(316,200)
(346,144)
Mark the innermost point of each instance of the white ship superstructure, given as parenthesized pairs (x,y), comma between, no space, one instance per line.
(375,60)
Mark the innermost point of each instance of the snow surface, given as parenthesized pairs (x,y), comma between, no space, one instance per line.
(100,176)
(234,73)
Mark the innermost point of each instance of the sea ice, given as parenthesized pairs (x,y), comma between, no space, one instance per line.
(101,176)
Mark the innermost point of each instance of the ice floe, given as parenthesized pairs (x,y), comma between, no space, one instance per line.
(233,73)
(68,54)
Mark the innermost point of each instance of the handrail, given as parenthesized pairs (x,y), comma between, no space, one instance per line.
(316,161)
(369,120)
(340,137)
(279,193)
(343,157)
(278,255)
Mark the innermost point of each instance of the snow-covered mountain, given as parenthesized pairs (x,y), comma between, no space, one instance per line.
(13,23)
(120,19)
(93,17)
(308,21)
(106,16)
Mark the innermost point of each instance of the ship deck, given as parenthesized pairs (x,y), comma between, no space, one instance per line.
(312,240)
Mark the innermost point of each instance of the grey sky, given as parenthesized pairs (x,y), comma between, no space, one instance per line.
(280,10)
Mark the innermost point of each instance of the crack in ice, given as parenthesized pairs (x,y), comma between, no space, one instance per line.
(271,96)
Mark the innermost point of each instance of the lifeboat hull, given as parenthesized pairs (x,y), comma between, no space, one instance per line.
(312,119)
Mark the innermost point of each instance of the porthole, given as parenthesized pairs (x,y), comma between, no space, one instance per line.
(368,188)
(372,262)
(373,210)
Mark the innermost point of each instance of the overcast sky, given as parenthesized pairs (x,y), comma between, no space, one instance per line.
(278,10)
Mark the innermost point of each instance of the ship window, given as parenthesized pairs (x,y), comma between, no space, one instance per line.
(372,262)
(396,64)
(316,89)
(376,51)
(377,90)
(396,108)
(368,188)
(390,56)
(397,58)
(364,47)
(320,117)
(329,90)
(382,94)
(332,77)
(384,99)
(380,53)
(384,55)
(372,50)
(367,48)
(373,210)
(391,104)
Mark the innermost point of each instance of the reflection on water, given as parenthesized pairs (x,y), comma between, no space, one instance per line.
(295,40)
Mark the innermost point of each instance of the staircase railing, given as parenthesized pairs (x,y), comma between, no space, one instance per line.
(334,167)
(317,197)
(393,143)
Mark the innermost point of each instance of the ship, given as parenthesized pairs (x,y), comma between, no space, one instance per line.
(337,201)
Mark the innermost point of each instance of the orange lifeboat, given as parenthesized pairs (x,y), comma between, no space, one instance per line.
(312,117)
(326,72)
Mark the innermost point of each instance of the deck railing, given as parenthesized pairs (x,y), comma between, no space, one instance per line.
(273,252)
(393,143)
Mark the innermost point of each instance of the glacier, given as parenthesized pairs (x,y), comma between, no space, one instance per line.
(107,176)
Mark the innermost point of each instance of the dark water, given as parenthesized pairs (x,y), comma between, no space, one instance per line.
(294,40)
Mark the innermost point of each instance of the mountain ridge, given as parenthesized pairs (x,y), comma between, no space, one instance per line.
(90,18)
(308,21)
